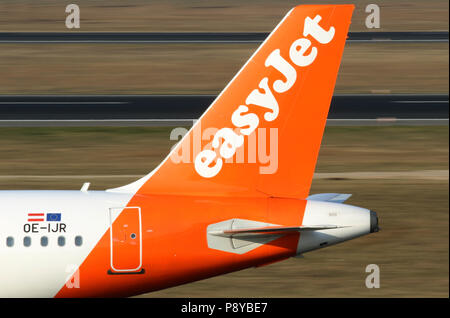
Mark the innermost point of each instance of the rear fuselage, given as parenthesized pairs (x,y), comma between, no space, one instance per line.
(96,247)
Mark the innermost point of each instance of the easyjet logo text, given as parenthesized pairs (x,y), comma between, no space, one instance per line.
(209,162)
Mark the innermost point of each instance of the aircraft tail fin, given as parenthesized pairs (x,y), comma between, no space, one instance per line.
(262,134)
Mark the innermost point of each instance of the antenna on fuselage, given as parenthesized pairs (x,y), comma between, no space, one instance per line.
(85,187)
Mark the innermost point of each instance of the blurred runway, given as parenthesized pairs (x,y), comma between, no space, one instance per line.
(177,110)
(202,37)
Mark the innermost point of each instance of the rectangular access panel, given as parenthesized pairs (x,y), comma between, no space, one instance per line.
(126,240)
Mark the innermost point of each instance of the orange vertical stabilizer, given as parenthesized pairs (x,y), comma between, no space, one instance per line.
(262,134)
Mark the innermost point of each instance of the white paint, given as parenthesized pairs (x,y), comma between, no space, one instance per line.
(203,161)
(298,50)
(354,222)
(251,120)
(38,271)
(283,66)
(313,28)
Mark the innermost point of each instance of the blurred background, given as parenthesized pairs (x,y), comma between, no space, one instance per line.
(399,170)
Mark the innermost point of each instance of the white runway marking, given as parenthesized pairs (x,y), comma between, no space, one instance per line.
(420,101)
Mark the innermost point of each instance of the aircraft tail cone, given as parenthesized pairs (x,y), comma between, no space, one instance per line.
(374,222)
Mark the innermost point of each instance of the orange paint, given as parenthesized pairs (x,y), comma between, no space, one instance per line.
(178,204)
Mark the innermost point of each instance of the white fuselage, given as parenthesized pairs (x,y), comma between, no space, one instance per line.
(41,271)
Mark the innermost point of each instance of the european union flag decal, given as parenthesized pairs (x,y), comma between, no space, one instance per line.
(53,217)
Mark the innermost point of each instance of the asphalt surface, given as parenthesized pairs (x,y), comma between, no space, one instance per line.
(201,37)
(162,110)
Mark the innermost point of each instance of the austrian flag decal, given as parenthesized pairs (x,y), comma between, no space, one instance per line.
(41,217)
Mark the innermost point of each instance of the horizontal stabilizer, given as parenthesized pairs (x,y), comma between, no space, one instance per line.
(330,197)
(270,230)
